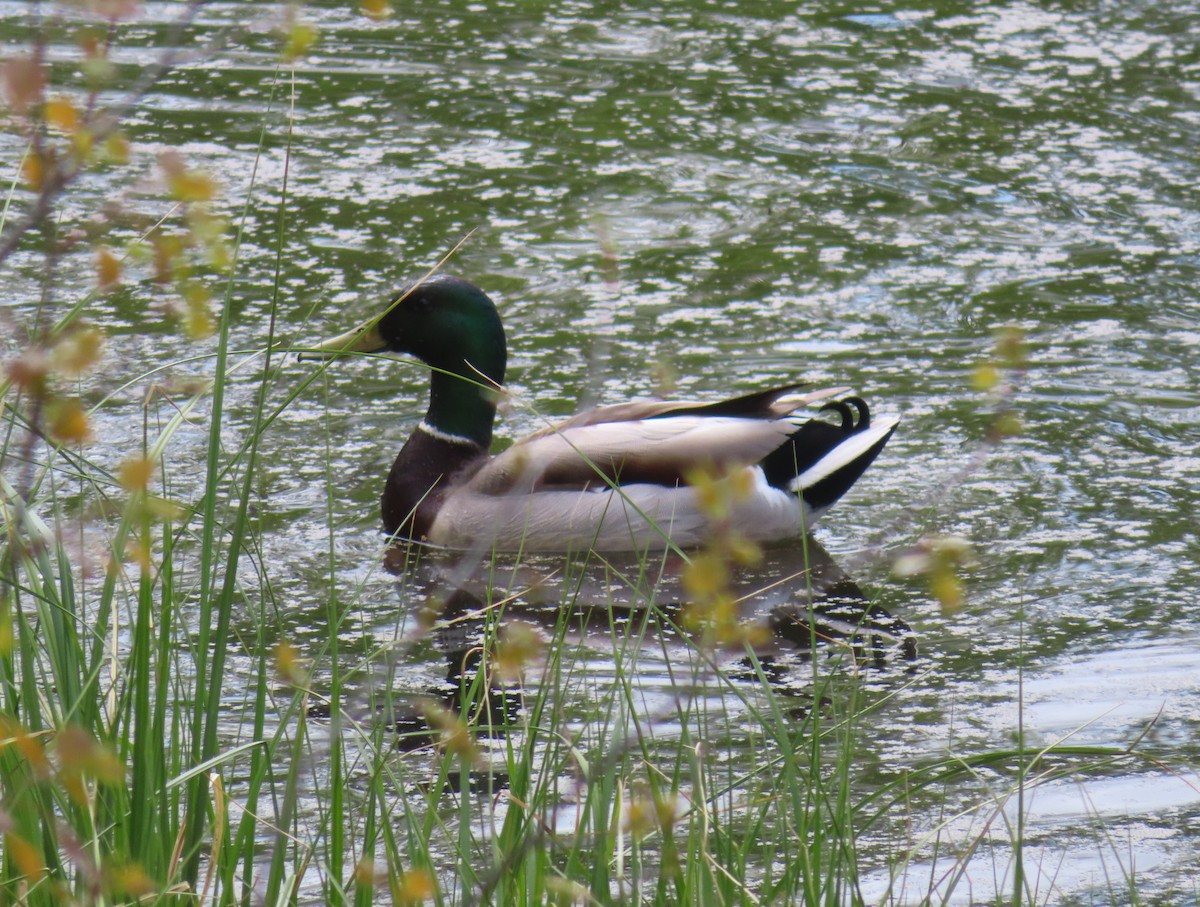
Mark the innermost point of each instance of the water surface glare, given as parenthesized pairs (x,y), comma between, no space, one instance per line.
(720,196)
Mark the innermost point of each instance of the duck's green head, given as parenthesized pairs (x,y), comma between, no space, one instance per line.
(451,325)
(446,322)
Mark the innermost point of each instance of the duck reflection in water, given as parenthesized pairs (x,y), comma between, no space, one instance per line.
(795,601)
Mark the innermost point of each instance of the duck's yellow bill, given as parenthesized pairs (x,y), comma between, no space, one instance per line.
(363,339)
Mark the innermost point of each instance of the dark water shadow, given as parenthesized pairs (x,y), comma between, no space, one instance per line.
(798,599)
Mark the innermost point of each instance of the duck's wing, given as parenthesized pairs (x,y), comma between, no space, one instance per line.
(769,404)
(628,518)
(660,450)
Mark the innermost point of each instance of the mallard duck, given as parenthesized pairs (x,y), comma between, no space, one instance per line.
(610,479)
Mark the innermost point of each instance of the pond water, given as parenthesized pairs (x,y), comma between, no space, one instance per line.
(721,196)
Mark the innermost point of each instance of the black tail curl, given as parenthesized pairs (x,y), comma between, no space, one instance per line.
(849,423)
(814,440)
